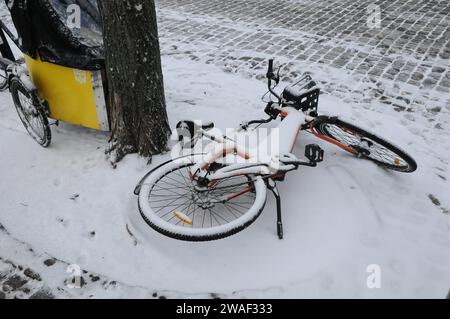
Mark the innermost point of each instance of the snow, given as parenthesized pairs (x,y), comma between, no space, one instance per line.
(339,218)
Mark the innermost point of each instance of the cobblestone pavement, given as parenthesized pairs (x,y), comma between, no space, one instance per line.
(27,274)
(404,63)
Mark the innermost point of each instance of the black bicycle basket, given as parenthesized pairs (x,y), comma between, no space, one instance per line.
(303,95)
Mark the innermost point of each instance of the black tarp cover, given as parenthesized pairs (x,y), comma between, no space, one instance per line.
(42,28)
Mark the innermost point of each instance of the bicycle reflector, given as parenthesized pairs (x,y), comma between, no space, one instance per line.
(185,219)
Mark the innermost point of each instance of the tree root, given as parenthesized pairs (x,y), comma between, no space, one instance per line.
(117,151)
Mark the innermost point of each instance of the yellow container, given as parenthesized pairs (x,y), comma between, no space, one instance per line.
(74,96)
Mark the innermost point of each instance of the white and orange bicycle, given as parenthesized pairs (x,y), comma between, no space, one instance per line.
(223,191)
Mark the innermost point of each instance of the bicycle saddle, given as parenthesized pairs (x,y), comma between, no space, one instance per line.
(195,125)
(190,131)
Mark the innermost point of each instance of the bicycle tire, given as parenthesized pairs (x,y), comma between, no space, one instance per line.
(188,234)
(323,124)
(16,88)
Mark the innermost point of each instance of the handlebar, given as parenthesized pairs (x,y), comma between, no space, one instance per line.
(270,71)
(272,77)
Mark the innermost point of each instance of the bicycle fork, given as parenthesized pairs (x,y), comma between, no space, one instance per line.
(272,186)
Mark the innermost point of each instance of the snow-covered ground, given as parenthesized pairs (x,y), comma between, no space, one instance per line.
(67,202)
(66,206)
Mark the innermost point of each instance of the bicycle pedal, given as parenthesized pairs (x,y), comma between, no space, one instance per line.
(314,153)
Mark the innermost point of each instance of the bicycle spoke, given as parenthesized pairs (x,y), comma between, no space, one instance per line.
(375,151)
(175,193)
(182,207)
(230,210)
(235,209)
(167,205)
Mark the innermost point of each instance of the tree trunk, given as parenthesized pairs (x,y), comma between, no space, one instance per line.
(135,82)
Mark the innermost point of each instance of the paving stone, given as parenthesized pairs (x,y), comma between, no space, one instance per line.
(42,294)
(50,262)
(14,283)
(417,76)
(438,69)
(429,82)
(32,274)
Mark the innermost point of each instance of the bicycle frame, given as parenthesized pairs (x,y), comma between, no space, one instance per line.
(5,48)
(17,70)
(273,167)
(294,121)
(283,161)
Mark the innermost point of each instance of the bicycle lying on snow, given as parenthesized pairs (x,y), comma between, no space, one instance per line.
(209,197)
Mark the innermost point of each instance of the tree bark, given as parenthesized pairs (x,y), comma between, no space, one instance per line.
(135,82)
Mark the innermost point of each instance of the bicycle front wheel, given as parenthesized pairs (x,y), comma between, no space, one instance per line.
(364,144)
(174,205)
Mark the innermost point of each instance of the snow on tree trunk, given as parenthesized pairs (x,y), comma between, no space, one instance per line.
(135,81)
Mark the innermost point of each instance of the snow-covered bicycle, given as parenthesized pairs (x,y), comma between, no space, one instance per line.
(215,195)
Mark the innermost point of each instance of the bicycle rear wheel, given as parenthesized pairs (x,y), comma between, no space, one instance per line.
(364,144)
(32,116)
(172,203)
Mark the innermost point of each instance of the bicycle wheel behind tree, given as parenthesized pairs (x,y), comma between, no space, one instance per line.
(31,113)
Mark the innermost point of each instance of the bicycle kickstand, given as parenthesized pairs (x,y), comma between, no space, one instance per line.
(272,186)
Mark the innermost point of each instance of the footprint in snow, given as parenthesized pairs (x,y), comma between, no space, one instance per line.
(89,166)
(56,182)
(64,222)
(434,200)
(437,203)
